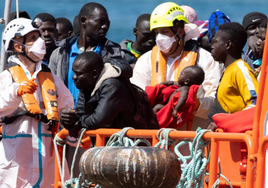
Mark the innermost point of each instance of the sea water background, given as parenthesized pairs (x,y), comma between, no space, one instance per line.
(123,13)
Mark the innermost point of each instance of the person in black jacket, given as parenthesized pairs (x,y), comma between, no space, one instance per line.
(107,99)
(94,25)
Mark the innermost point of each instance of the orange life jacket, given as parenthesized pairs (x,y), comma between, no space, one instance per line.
(49,95)
(48,89)
(159,61)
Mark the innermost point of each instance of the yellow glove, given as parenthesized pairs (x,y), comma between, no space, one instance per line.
(28,86)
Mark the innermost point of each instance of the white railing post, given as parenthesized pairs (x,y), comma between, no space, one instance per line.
(5,22)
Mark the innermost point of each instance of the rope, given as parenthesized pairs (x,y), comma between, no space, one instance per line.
(163,137)
(193,173)
(70,183)
(119,139)
(61,142)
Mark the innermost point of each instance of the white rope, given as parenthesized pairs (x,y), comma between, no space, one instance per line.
(119,139)
(163,137)
(81,133)
(60,142)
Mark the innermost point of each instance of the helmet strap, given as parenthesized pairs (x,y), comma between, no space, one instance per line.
(23,51)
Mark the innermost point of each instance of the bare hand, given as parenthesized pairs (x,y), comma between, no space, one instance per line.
(68,117)
(174,114)
(74,130)
(252,43)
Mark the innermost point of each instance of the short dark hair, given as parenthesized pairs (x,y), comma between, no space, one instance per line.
(46,17)
(67,25)
(143,17)
(88,8)
(91,58)
(76,26)
(198,75)
(236,33)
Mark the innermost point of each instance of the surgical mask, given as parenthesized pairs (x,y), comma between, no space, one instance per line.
(164,43)
(38,48)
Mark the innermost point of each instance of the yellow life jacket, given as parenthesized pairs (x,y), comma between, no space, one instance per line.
(48,89)
(159,62)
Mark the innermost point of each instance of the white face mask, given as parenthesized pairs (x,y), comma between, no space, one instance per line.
(164,43)
(38,48)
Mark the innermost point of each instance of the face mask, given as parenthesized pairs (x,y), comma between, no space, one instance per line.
(38,48)
(164,43)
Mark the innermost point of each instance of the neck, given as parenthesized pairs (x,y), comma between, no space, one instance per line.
(87,42)
(230,59)
(30,65)
(136,47)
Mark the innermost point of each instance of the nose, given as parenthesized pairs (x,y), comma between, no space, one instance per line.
(74,76)
(45,33)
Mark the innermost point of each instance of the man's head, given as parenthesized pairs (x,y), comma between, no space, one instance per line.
(94,22)
(76,26)
(167,20)
(228,41)
(64,27)
(49,30)
(87,67)
(261,36)
(251,22)
(190,13)
(145,39)
(191,75)
(22,14)
(22,36)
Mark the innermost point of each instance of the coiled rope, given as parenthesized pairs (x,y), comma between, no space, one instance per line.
(193,173)
(120,139)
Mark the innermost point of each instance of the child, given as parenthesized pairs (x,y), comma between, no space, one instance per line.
(169,97)
(260,47)
(238,87)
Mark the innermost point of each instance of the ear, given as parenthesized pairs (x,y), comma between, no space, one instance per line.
(95,74)
(135,31)
(187,82)
(17,47)
(228,45)
(70,33)
(83,21)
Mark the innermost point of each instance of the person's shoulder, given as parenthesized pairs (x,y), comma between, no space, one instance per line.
(124,42)
(109,43)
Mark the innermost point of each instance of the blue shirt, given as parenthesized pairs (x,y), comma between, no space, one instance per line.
(74,52)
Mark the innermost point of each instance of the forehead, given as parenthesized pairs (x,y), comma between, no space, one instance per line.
(221,35)
(161,29)
(47,24)
(32,34)
(98,14)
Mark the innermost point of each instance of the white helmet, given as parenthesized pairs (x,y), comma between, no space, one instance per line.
(18,28)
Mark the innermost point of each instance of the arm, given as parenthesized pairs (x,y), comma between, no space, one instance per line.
(212,76)
(168,83)
(252,44)
(108,107)
(247,85)
(53,61)
(183,97)
(9,100)
(142,71)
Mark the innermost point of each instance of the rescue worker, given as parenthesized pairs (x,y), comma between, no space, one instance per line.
(175,50)
(31,100)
